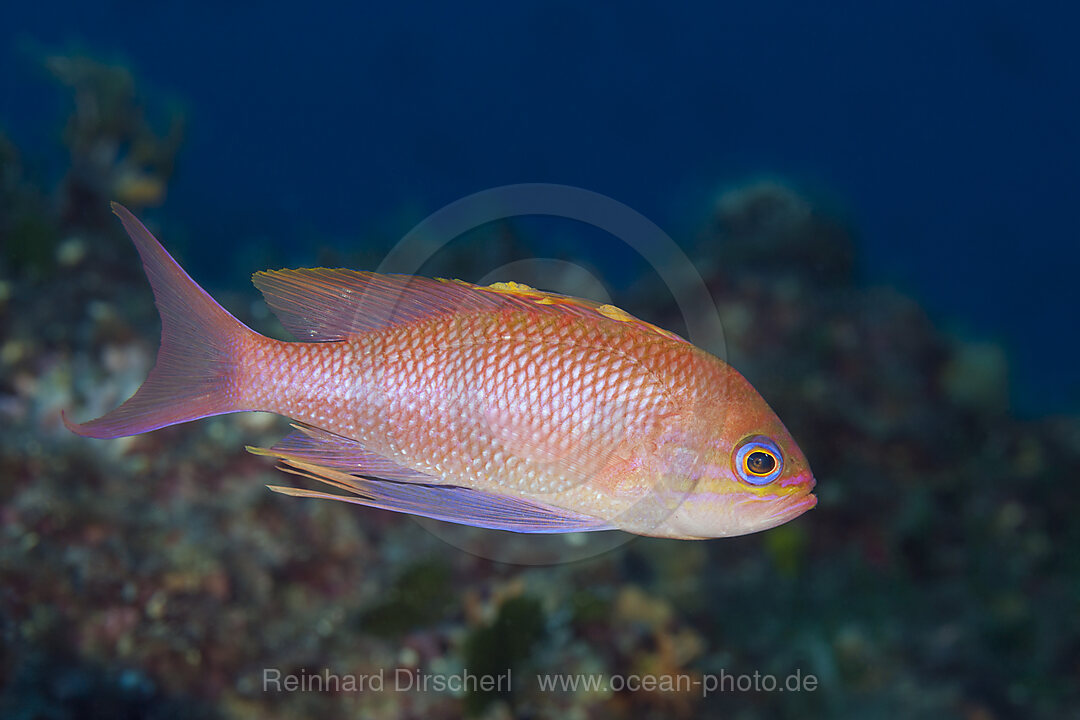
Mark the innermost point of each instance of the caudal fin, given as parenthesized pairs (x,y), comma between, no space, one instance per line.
(195,372)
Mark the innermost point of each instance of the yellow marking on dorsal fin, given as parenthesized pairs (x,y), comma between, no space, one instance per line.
(514,288)
(610,311)
(555,300)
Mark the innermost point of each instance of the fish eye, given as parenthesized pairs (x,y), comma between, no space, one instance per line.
(758,460)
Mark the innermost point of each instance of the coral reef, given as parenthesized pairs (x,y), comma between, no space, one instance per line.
(116,153)
(28,229)
(155,577)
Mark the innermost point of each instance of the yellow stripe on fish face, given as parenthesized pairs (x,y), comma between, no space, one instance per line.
(734,486)
(716,481)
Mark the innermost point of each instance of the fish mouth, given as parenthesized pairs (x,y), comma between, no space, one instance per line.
(792,506)
(798,505)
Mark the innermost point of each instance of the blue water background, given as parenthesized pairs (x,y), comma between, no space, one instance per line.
(947,132)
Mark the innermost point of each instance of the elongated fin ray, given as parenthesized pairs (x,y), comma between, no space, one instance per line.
(324,448)
(448,503)
(192,376)
(326,304)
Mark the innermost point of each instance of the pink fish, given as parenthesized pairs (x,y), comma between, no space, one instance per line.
(500,407)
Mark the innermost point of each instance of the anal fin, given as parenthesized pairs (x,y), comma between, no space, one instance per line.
(449,503)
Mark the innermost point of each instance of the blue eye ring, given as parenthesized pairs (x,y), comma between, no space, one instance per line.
(758,460)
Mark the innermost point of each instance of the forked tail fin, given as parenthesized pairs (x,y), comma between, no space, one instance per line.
(195,373)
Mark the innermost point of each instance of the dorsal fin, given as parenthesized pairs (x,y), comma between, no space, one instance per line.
(326,304)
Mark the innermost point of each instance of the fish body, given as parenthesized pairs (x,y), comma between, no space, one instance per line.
(498,406)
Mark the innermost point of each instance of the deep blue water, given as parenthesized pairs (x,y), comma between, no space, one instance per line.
(948,131)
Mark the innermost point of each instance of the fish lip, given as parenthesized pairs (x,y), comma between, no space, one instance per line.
(801,479)
(804,503)
(794,505)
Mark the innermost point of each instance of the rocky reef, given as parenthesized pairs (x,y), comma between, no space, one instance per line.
(156,577)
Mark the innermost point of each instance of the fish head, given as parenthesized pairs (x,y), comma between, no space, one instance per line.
(748,473)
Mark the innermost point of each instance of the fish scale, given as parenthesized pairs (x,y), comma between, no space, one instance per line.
(440,398)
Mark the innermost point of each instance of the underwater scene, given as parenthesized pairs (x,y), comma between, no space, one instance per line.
(539,360)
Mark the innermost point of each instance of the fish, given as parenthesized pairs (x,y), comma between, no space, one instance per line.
(498,406)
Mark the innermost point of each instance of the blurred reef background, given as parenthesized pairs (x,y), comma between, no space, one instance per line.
(881,206)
